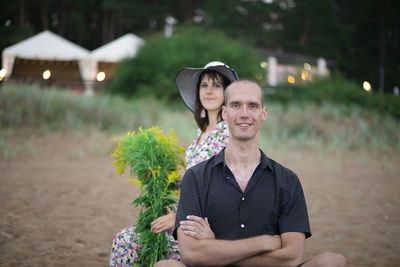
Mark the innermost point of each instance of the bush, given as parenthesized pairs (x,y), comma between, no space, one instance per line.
(153,70)
(154,161)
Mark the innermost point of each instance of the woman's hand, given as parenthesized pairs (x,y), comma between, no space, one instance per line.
(197,227)
(163,223)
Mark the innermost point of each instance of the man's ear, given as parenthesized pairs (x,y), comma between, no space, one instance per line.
(265,113)
(223,113)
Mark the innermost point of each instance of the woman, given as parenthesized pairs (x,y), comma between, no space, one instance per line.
(202,90)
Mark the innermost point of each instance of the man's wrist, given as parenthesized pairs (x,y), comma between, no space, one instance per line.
(271,242)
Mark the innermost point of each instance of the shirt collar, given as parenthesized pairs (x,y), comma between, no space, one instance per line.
(265,161)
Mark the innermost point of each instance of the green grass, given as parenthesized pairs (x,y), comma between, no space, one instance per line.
(325,126)
(329,127)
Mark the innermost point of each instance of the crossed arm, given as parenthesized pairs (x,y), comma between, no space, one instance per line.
(198,246)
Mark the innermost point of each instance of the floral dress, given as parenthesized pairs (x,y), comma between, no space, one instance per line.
(125,243)
(210,146)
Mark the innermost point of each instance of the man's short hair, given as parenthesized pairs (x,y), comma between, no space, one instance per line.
(243,81)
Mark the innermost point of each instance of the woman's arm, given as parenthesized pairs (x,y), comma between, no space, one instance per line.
(163,223)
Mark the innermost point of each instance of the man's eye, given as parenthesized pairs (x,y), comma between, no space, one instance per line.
(253,106)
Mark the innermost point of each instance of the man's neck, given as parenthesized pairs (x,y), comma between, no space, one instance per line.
(242,155)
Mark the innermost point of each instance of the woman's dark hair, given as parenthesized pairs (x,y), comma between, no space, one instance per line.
(203,122)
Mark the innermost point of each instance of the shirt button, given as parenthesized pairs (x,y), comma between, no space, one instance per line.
(242,225)
(242,198)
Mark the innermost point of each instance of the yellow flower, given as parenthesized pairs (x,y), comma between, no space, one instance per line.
(137,182)
(173,176)
(176,192)
(119,162)
(155,173)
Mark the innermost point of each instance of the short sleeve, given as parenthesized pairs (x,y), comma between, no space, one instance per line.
(189,200)
(294,217)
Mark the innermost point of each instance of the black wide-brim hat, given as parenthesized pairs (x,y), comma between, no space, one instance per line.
(187,80)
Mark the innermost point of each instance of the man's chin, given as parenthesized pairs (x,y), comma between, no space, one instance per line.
(243,137)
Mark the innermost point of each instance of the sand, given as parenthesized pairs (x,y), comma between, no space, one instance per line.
(62,204)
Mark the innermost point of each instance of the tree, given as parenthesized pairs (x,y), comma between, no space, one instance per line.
(153,70)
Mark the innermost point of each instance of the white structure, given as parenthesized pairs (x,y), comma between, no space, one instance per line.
(52,47)
(169,26)
(321,65)
(113,52)
(285,69)
(43,46)
(272,77)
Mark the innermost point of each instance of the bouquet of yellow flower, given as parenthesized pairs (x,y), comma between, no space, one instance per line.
(154,161)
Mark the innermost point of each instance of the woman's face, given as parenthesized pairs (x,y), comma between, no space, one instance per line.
(211,93)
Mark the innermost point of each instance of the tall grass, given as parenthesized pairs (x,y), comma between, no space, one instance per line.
(60,109)
(305,124)
(329,126)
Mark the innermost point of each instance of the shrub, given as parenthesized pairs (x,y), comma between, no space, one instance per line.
(154,161)
(153,70)
(338,90)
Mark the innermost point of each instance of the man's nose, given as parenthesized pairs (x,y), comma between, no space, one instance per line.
(244,111)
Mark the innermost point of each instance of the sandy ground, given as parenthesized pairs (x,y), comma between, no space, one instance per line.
(61,203)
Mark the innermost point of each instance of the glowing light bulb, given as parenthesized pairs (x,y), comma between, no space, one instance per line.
(46,74)
(307,66)
(264,64)
(2,74)
(367,86)
(291,79)
(304,75)
(100,76)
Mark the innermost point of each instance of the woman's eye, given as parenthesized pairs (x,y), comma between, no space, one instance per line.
(204,85)
(217,85)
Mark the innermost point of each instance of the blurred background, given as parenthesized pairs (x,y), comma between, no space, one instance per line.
(77,75)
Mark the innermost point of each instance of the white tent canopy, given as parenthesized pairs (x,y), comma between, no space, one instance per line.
(50,46)
(115,51)
(112,52)
(43,46)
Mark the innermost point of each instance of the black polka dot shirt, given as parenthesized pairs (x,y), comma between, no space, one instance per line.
(272,203)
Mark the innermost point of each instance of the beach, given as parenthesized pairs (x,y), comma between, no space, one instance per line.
(62,203)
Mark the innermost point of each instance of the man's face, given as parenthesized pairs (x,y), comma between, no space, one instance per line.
(243,111)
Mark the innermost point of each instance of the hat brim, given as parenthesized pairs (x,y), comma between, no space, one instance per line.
(187,80)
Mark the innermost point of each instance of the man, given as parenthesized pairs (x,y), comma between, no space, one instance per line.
(253,208)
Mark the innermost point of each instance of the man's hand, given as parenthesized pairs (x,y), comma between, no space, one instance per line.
(163,223)
(197,227)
